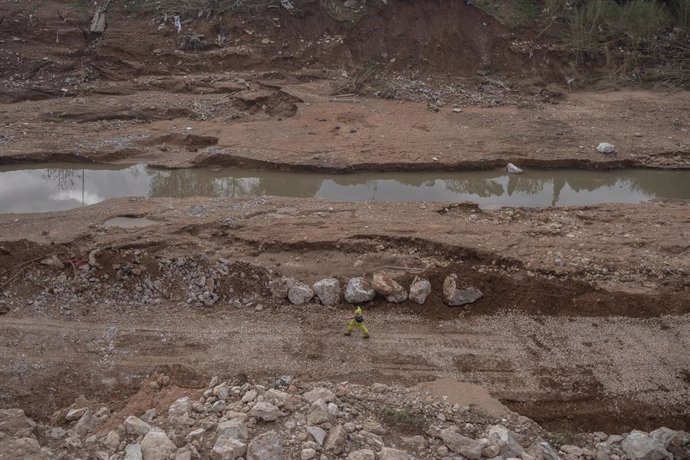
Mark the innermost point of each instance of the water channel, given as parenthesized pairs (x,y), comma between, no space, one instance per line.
(54,187)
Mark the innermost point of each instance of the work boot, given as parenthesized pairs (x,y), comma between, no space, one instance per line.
(348,333)
(366,336)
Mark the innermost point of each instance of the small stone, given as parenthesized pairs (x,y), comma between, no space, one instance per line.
(180,408)
(606,148)
(265,411)
(133,452)
(416,443)
(335,441)
(394,454)
(318,413)
(307,454)
(455,297)
(280,287)
(510,447)
(319,393)
(227,448)
(317,433)
(363,454)
(467,447)
(112,440)
(157,446)
(266,446)
(75,414)
(235,429)
(249,396)
(512,169)
(359,290)
(136,426)
(218,406)
(328,291)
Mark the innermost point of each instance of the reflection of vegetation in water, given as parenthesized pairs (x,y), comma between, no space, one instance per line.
(65,179)
(525,184)
(476,186)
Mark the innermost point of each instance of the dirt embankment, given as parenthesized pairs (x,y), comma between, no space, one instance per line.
(132,95)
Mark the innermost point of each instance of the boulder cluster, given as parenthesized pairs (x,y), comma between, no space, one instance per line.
(361,289)
(286,419)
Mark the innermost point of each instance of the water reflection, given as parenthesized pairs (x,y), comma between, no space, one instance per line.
(58,187)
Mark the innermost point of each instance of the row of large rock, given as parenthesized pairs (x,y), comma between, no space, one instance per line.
(358,290)
(361,290)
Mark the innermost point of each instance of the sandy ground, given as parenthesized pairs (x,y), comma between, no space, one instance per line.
(572,346)
(290,125)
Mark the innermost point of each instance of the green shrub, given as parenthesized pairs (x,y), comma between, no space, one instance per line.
(405,418)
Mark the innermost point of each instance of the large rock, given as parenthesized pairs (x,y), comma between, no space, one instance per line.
(389,288)
(542,450)
(509,445)
(420,290)
(467,447)
(276,397)
(265,411)
(75,414)
(86,424)
(133,452)
(512,169)
(135,426)
(300,293)
(180,408)
(640,446)
(267,446)
(318,413)
(416,443)
(364,454)
(15,423)
(319,393)
(22,449)
(676,442)
(157,446)
(227,448)
(234,429)
(394,454)
(455,297)
(328,291)
(359,290)
(280,287)
(335,441)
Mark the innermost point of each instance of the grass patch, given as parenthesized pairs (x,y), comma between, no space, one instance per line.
(407,419)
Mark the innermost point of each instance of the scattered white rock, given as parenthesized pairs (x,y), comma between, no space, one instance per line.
(460,444)
(606,148)
(512,169)
(180,407)
(228,448)
(335,440)
(234,429)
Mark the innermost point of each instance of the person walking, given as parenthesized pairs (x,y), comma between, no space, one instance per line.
(358,322)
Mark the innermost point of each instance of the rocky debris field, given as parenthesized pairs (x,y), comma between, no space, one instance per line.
(289,419)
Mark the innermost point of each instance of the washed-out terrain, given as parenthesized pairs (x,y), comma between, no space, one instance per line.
(194,197)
